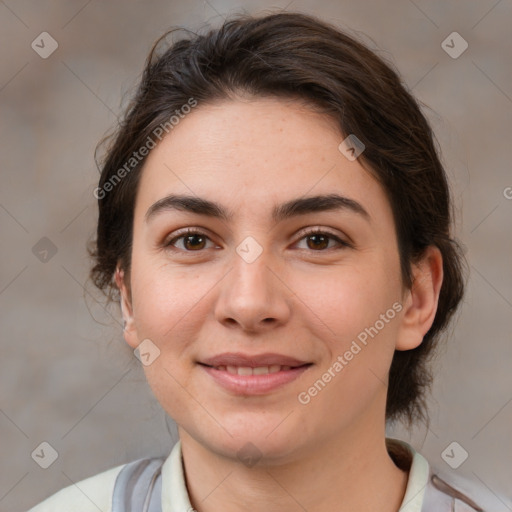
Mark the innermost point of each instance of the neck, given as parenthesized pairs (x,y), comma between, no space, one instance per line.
(353,471)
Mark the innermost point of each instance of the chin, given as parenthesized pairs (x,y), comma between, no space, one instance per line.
(251,445)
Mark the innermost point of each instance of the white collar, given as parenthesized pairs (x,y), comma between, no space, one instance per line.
(175,496)
(419,471)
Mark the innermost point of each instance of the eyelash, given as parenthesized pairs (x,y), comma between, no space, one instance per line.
(315,231)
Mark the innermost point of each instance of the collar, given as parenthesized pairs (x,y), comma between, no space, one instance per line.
(407,458)
(175,495)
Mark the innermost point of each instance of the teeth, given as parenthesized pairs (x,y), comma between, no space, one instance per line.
(246,370)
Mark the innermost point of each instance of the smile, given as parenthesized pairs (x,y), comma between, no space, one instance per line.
(247,370)
(245,380)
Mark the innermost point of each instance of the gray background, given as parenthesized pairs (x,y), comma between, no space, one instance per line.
(66,375)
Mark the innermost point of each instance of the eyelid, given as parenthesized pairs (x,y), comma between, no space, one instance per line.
(324,231)
(181,233)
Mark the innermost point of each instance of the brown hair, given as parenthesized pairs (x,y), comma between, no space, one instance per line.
(291,55)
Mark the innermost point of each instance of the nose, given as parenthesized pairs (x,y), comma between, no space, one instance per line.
(253,297)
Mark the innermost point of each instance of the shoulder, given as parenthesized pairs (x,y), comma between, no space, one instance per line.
(464,494)
(443,493)
(90,495)
(433,489)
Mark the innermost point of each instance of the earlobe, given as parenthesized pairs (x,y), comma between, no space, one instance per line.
(420,303)
(129,330)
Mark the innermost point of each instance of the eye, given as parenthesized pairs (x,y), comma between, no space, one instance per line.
(193,241)
(320,240)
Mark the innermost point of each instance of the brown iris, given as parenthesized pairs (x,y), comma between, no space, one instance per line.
(195,237)
(322,239)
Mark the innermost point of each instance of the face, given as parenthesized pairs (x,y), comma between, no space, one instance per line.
(258,285)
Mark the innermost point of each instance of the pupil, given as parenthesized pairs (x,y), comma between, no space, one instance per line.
(193,237)
(318,238)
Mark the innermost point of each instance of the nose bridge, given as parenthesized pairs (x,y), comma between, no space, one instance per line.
(251,294)
(251,260)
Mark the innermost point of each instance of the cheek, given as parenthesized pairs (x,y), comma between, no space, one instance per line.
(359,325)
(360,341)
(169,303)
(170,307)
(345,301)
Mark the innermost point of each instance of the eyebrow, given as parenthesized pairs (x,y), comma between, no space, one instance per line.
(289,209)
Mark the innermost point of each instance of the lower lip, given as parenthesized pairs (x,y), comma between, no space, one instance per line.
(254,384)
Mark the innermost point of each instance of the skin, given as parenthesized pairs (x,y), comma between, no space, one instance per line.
(201,299)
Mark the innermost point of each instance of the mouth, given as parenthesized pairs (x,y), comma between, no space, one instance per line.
(258,370)
(253,375)
(241,360)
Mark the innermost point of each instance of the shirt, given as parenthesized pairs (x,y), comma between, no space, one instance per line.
(95,493)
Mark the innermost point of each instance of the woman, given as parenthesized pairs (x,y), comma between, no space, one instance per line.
(277,222)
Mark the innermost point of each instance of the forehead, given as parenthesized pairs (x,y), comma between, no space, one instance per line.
(253,154)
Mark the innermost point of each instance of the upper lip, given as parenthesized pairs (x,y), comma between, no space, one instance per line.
(252,361)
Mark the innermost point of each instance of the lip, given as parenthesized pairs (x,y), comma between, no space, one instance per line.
(254,384)
(252,361)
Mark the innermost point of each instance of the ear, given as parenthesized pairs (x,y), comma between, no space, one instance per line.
(129,330)
(420,302)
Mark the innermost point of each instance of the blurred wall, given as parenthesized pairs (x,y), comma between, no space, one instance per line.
(67,377)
